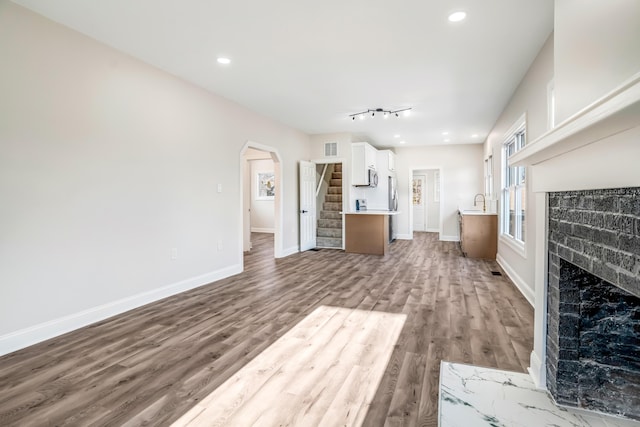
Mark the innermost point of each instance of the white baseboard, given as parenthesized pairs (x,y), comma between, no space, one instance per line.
(262,230)
(404,237)
(525,290)
(289,251)
(537,372)
(34,334)
(432,230)
(444,238)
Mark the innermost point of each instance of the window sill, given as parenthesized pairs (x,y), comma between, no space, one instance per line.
(519,247)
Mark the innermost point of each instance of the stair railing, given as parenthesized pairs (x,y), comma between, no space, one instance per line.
(319,185)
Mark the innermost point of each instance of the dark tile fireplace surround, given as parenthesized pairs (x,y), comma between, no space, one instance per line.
(593,311)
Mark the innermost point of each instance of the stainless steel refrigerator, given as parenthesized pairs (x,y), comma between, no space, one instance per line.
(393,206)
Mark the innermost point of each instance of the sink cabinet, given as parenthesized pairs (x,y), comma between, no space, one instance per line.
(479,235)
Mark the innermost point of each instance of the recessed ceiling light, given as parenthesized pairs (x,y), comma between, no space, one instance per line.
(224,61)
(475,135)
(457,16)
(445,133)
(447,140)
(407,112)
(396,136)
(403,142)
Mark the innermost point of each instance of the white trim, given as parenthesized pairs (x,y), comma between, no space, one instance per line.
(525,290)
(345,187)
(551,104)
(278,203)
(616,112)
(404,236)
(519,247)
(412,170)
(432,230)
(53,328)
(449,238)
(262,230)
(289,251)
(539,353)
(519,125)
(536,370)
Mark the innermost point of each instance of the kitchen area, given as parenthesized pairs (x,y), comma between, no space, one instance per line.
(370,202)
(370,224)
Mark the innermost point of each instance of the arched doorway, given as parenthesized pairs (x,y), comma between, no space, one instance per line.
(247,181)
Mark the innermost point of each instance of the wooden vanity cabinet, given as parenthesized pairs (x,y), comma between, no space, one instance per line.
(479,235)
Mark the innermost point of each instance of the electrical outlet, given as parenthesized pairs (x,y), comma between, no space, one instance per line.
(219,245)
(219,188)
(174,253)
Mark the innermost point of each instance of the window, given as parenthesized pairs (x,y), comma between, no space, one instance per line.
(514,189)
(488,177)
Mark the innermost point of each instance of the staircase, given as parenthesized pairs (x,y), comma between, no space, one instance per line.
(329,234)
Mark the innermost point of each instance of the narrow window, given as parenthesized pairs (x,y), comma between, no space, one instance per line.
(488,177)
(514,189)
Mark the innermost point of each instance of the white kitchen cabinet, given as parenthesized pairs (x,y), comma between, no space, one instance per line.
(363,159)
(392,161)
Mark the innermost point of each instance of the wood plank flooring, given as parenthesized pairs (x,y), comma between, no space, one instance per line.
(324,371)
(151,365)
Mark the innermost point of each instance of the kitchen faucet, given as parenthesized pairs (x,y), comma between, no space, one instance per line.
(484,203)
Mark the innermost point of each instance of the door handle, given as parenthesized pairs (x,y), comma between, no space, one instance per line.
(303,211)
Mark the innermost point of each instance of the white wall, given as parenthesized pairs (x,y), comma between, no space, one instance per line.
(597,47)
(262,211)
(461,178)
(107,164)
(530,98)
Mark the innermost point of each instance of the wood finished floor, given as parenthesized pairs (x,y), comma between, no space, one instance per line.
(339,357)
(151,365)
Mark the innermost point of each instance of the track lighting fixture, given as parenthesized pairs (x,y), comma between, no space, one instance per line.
(385,113)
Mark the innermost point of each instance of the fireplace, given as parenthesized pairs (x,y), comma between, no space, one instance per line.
(593,300)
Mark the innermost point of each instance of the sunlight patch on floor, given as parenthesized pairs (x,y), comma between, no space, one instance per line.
(324,371)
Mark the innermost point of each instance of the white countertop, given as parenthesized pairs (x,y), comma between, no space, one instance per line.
(371,212)
(474,212)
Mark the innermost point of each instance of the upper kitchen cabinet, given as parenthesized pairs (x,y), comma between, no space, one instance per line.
(386,161)
(363,159)
(391,159)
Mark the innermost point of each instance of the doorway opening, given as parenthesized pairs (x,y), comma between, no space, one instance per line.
(261,201)
(329,204)
(322,199)
(426,200)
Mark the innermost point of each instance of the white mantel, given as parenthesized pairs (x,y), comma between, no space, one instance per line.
(599,147)
(613,114)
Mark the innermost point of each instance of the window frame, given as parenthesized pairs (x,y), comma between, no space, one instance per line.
(514,183)
(488,177)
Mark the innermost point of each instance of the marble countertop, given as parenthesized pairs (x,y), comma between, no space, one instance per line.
(472,396)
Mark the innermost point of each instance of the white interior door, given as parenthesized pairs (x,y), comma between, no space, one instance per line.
(307,205)
(419,190)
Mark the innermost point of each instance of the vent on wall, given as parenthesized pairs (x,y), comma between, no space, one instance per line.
(330,149)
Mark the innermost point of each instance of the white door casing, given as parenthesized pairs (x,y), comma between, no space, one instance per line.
(307,206)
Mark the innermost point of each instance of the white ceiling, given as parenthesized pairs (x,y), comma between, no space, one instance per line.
(309,64)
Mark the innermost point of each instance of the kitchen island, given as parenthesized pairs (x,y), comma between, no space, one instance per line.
(367,231)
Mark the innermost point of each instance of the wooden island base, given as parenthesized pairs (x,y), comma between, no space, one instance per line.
(367,233)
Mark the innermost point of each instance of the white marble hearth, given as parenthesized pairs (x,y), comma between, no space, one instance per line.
(473,396)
